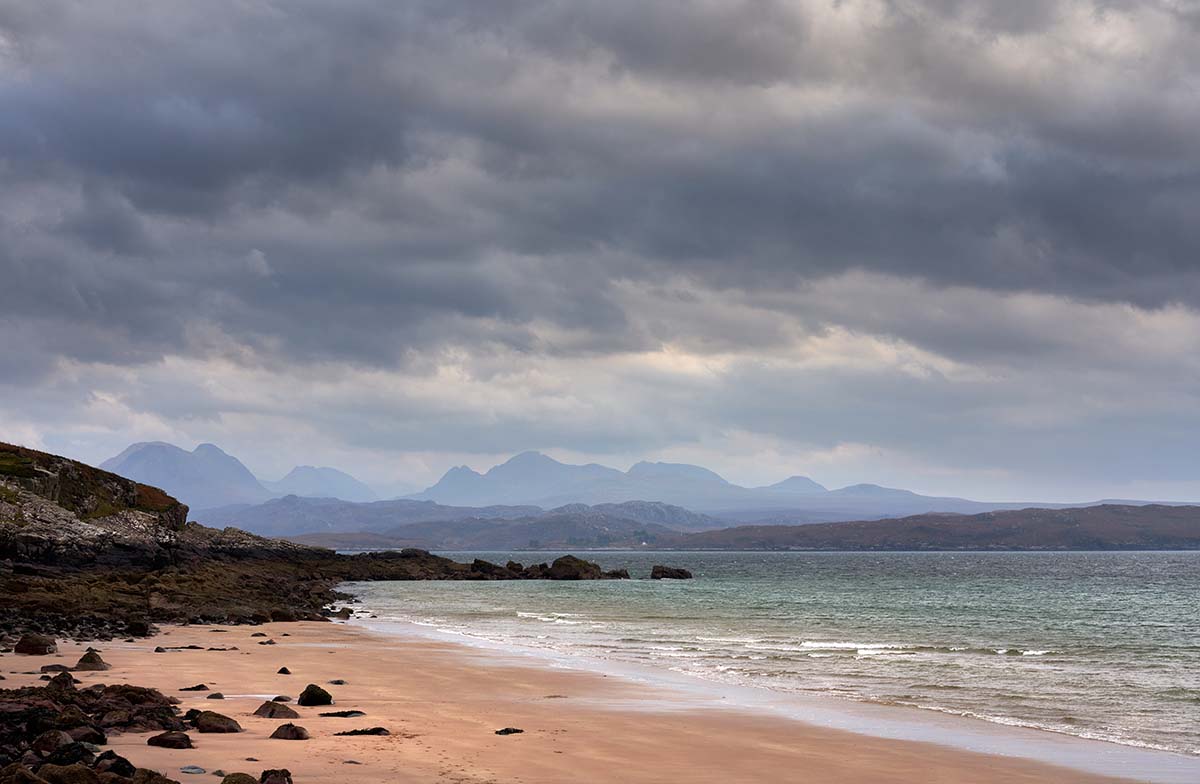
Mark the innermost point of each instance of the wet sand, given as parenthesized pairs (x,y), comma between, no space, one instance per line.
(443,703)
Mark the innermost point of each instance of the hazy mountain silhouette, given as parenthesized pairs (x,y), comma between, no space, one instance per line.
(322,482)
(204,477)
(534,478)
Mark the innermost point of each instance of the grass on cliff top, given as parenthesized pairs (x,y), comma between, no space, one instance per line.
(13,463)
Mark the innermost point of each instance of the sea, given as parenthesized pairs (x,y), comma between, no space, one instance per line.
(1097,645)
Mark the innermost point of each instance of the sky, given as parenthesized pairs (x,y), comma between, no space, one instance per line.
(949,245)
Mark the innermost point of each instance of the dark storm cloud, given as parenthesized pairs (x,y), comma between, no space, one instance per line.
(381,185)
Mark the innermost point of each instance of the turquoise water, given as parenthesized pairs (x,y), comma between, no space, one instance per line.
(1097,645)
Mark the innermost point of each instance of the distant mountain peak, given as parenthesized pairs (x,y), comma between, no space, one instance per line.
(648,470)
(798,484)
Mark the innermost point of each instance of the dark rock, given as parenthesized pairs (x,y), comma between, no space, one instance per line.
(280,776)
(275,710)
(660,572)
(344,614)
(617,574)
(283,671)
(346,714)
(239,778)
(197,687)
(71,754)
(267,642)
(111,762)
(87,734)
(171,740)
(50,741)
(64,681)
(289,731)
(367,731)
(74,773)
(281,698)
(91,662)
(314,695)
(36,645)
(216,695)
(259,634)
(193,769)
(568,567)
(54,668)
(509,731)
(210,721)
(138,627)
(337,682)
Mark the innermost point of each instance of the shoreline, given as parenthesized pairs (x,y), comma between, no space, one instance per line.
(871,719)
(442,703)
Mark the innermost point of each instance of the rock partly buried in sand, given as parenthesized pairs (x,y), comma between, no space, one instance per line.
(54,668)
(280,776)
(197,687)
(289,731)
(281,698)
(36,645)
(660,572)
(337,682)
(211,721)
(283,671)
(266,642)
(216,695)
(193,769)
(91,662)
(367,731)
(171,740)
(509,731)
(276,710)
(259,634)
(314,695)
(239,778)
(346,714)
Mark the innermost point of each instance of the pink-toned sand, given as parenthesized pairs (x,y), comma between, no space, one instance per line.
(443,704)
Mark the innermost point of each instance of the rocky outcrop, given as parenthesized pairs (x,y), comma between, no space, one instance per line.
(660,572)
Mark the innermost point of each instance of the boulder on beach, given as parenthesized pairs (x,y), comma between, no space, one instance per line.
(197,687)
(36,645)
(276,710)
(280,776)
(660,572)
(216,695)
(283,671)
(289,731)
(367,731)
(211,721)
(171,740)
(91,662)
(50,741)
(239,778)
(346,714)
(74,773)
(509,731)
(314,695)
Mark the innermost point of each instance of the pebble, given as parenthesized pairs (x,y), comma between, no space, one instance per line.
(192,769)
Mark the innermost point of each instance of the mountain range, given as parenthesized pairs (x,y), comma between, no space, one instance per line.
(208,477)
(528,486)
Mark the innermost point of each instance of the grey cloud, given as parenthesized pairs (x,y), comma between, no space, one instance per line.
(426,179)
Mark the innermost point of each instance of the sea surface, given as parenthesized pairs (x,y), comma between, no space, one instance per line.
(1097,645)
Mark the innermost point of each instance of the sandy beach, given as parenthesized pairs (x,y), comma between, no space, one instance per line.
(443,703)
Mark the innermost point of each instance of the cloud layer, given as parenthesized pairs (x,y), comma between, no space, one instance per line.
(951,243)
